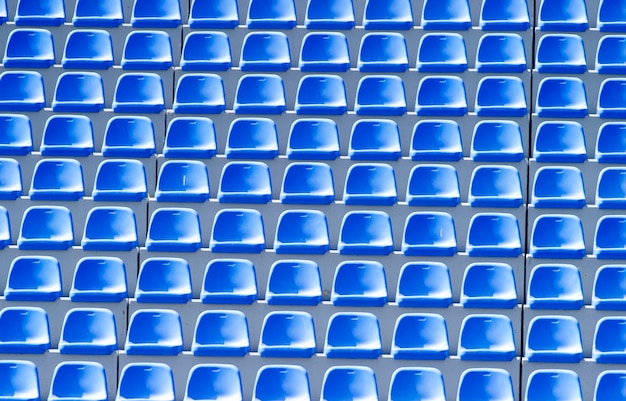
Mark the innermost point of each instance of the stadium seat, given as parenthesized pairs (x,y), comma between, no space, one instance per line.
(365,233)
(433,185)
(40,13)
(120,180)
(349,383)
(294,282)
(213,381)
(88,331)
(57,179)
(131,136)
(265,51)
(501,97)
(140,381)
(238,231)
(436,140)
(305,183)
(488,285)
(24,330)
(182,181)
(388,15)
(46,228)
(67,135)
(174,230)
(429,234)
(446,15)
(33,278)
(380,95)
(329,14)
(147,50)
(561,54)
(610,238)
(554,339)
(29,48)
(313,139)
(281,382)
(245,182)
(79,92)
(255,138)
(222,14)
(553,385)
(154,332)
(321,95)
(287,335)
(272,14)
(156,14)
(221,333)
(420,336)
(99,279)
(557,236)
(441,52)
(110,228)
(611,16)
(324,51)
(611,143)
(609,288)
(501,52)
(260,94)
(370,184)
(21,91)
(15,135)
(88,49)
(417,383)
(98,13)
(610,386)
(164,280)
(190,137)
(611,54)
(139,93)
(555,286)
(353,335)
(494,234)
(206,51)
(10,179)
(561,97)
(78,381)
(608,340)
(486,384)
(360,283)
(509,15)
(560,142)
(486,337)
(558,187)
(302,232)
(495,186)
(383,52)
(612,98)
(441,96)
(562,15)
(19,380)
(229,281)
(424,284)
(374,140)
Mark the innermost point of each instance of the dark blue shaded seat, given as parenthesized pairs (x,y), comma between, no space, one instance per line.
(140,381)
(560,142)
(561,97)
(78,380)
(287,335)
(558,187)
(321,95)
(302,232)
(271,14)
(212,14)
(147,50)
(554,339)
(437,140)
(221,333)
(494,235)
(229,281)
(46,228)
(420,336)
(213,381)
(206,51)
(245,182)
(287,382)
(433,185)
(129,136)
(353,335)
(190,137)
(182,181)
(33,278)
(495,186)
(488,285)
(98,13)
(442,52)
(156,14)
(555,286)
(238,231)
(99,279)
(486,337)
(388,15)
(558,236)
(29,48)
(313,139)
(508,15)
(429,234)
(324,52)
(110,228)
(88,49)
(446,15)
(365,233)
(294,282)
(329,14)
(370,184)
(88,331)
(424,284)
(164,280)
(383,52)
(57,179)
(359,284)
(120,180)
(24,330)
(265,51)
(174,230)
(154,332)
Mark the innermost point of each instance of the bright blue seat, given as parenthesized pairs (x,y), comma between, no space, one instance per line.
(10,179)
(417,384)
(260,94)
(294,282)
(611,143)
(441,96)
(610,238)
(245,182)
(446,15)
(306,183)
(19,380)
(214,381)
(313,139)
(429,234)
(287,335)
(229,281)
(438,140)
(553,385)
(612,98)
(67,135)
(562,15)
(33,278)
(611,189)
(156,14)
(486,384)
(554,339)
(141,381)
(46,228)
(610,386)
(557,236)
(433,185)
(611,55)
(15,135)
(252,138)
(57,179)
(509,15)
(383,52)
(329,14)
(238,231)
(79,92)
(21,91)
(164,280)
(99,279)
(78,380)
(420,336)
(365,233)
(359,284)
(265,51)
(147,50)
(561,97)
(501,52)
(494,234)
(321,95)
(380,95)
(349,383)
(609,288)
(174,230)
(488,285)
(221,333)
(98,13)
(190,137)
(110,228)
(88,331)
(24,330)
(324,51)
(611,16)
(302,232)
(182,181)
(139,93)
(271,14)
(560,142)
(154,332)
(486,337)
(40,13)
(370,184)
(391,15)
(120,180)
(442,52)
(221,14)
(206,51)
(558,187)
(88,49)
(29,48)
(374,140)
(555,286)
(561,54)
(353,335)
(424,284)
(495,186)
(131,136)
(501,97)
(281,382)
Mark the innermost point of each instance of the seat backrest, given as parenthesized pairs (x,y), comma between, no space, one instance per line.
(370,184)
(507,15)
(22,91)
(10,179)
(488,285)
(557,236)
(40,13)
(146,380)
(33,278)
(313,139)
(213,381)
(78,380)
(562,15)
(89,49)
(255,138)
(174,229)
(16,136)
(553,385)
(69,135)
(302,232)
(564,97)
(417,383)
(433,185)
(554,339)
(420,336)
(307,183)
(110,228)
(147,50)
(374,140)
(494,234)
(442,52)
(245,182)
(380,95)
(429,233)
(129,137)
(321,95)
(98,13)
(229,281)
(88,331)
(99,279)
(608,288)
(294,282)
(560,142)
(156,14)
(438,140)
(206,51)
(19,380)
(611,143)
(182,181)
(221,333)
(329,14)
(29,48)
(238,230)
(353,335)
(265,51)
(388,15)
(272,14)
(495,186)
(446,15)
(287,334)
(354,382)
(558,187)
(383,52)
(359,284)
(79,92)
(139,93)
(486,383)
(220,14)
(324,51)
(486,338)
(562,53)
(190,137)
(281,382)
(120,180)
(501,52)
(163,280)
(424,284)
(365,233)
(199,94)
(24,330)
(154,332)
(46,227)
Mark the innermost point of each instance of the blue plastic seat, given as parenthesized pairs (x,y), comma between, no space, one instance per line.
(164,280)
(609,288)
(495,186)
(99,279)
(139,93)
(67,135)
(305,183)
(558,187)
(441,96)
(259,94)
(245,182)
(365,233)
(79,92)
(156,14)
(221,333)
(611,55)
(120,180)
(329,14)
(46,228)
(612,98)
(359,284)
(555,286)
(98,13)
(349,383)
(553,385)
(272,14)
(206,51)
(110,228)
(383,52)
(131,136)
(557,236)
(561,97)
(486,337)
(222,14)
(313,139)
(494,234)
(391,15)
(611,143)
(380,95)
(88,49)
(370,184)
(417,384)
(433,185)
(486,384)
(324,51)
(294,282)
(182,181)
(438,140)
(252,138)
(281,382)
(287,335)
(24,330)
(302,232)
(610,386)
(429,234)
(40,13)
(147,50)
(560,142)
(154,332)
(214,381)
(29,48)
(561,54)
(446,15)
(353,335)
(554,339)
(610,238)
(141,381)
(78,380)
(88,331)
(424,284)
(562,15)
(420,336)
(501,97)
(321,95)
(611,16)
(611,189)
(15,135)
(10,179)
(509,15)
(19,380)
(501,52)
(442,52)
(375,140)
(488,285)
(608,340)
(174,230)
(229,281)
(265,51)
(190,137)
(33,278)
(21,91)
(238,231)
